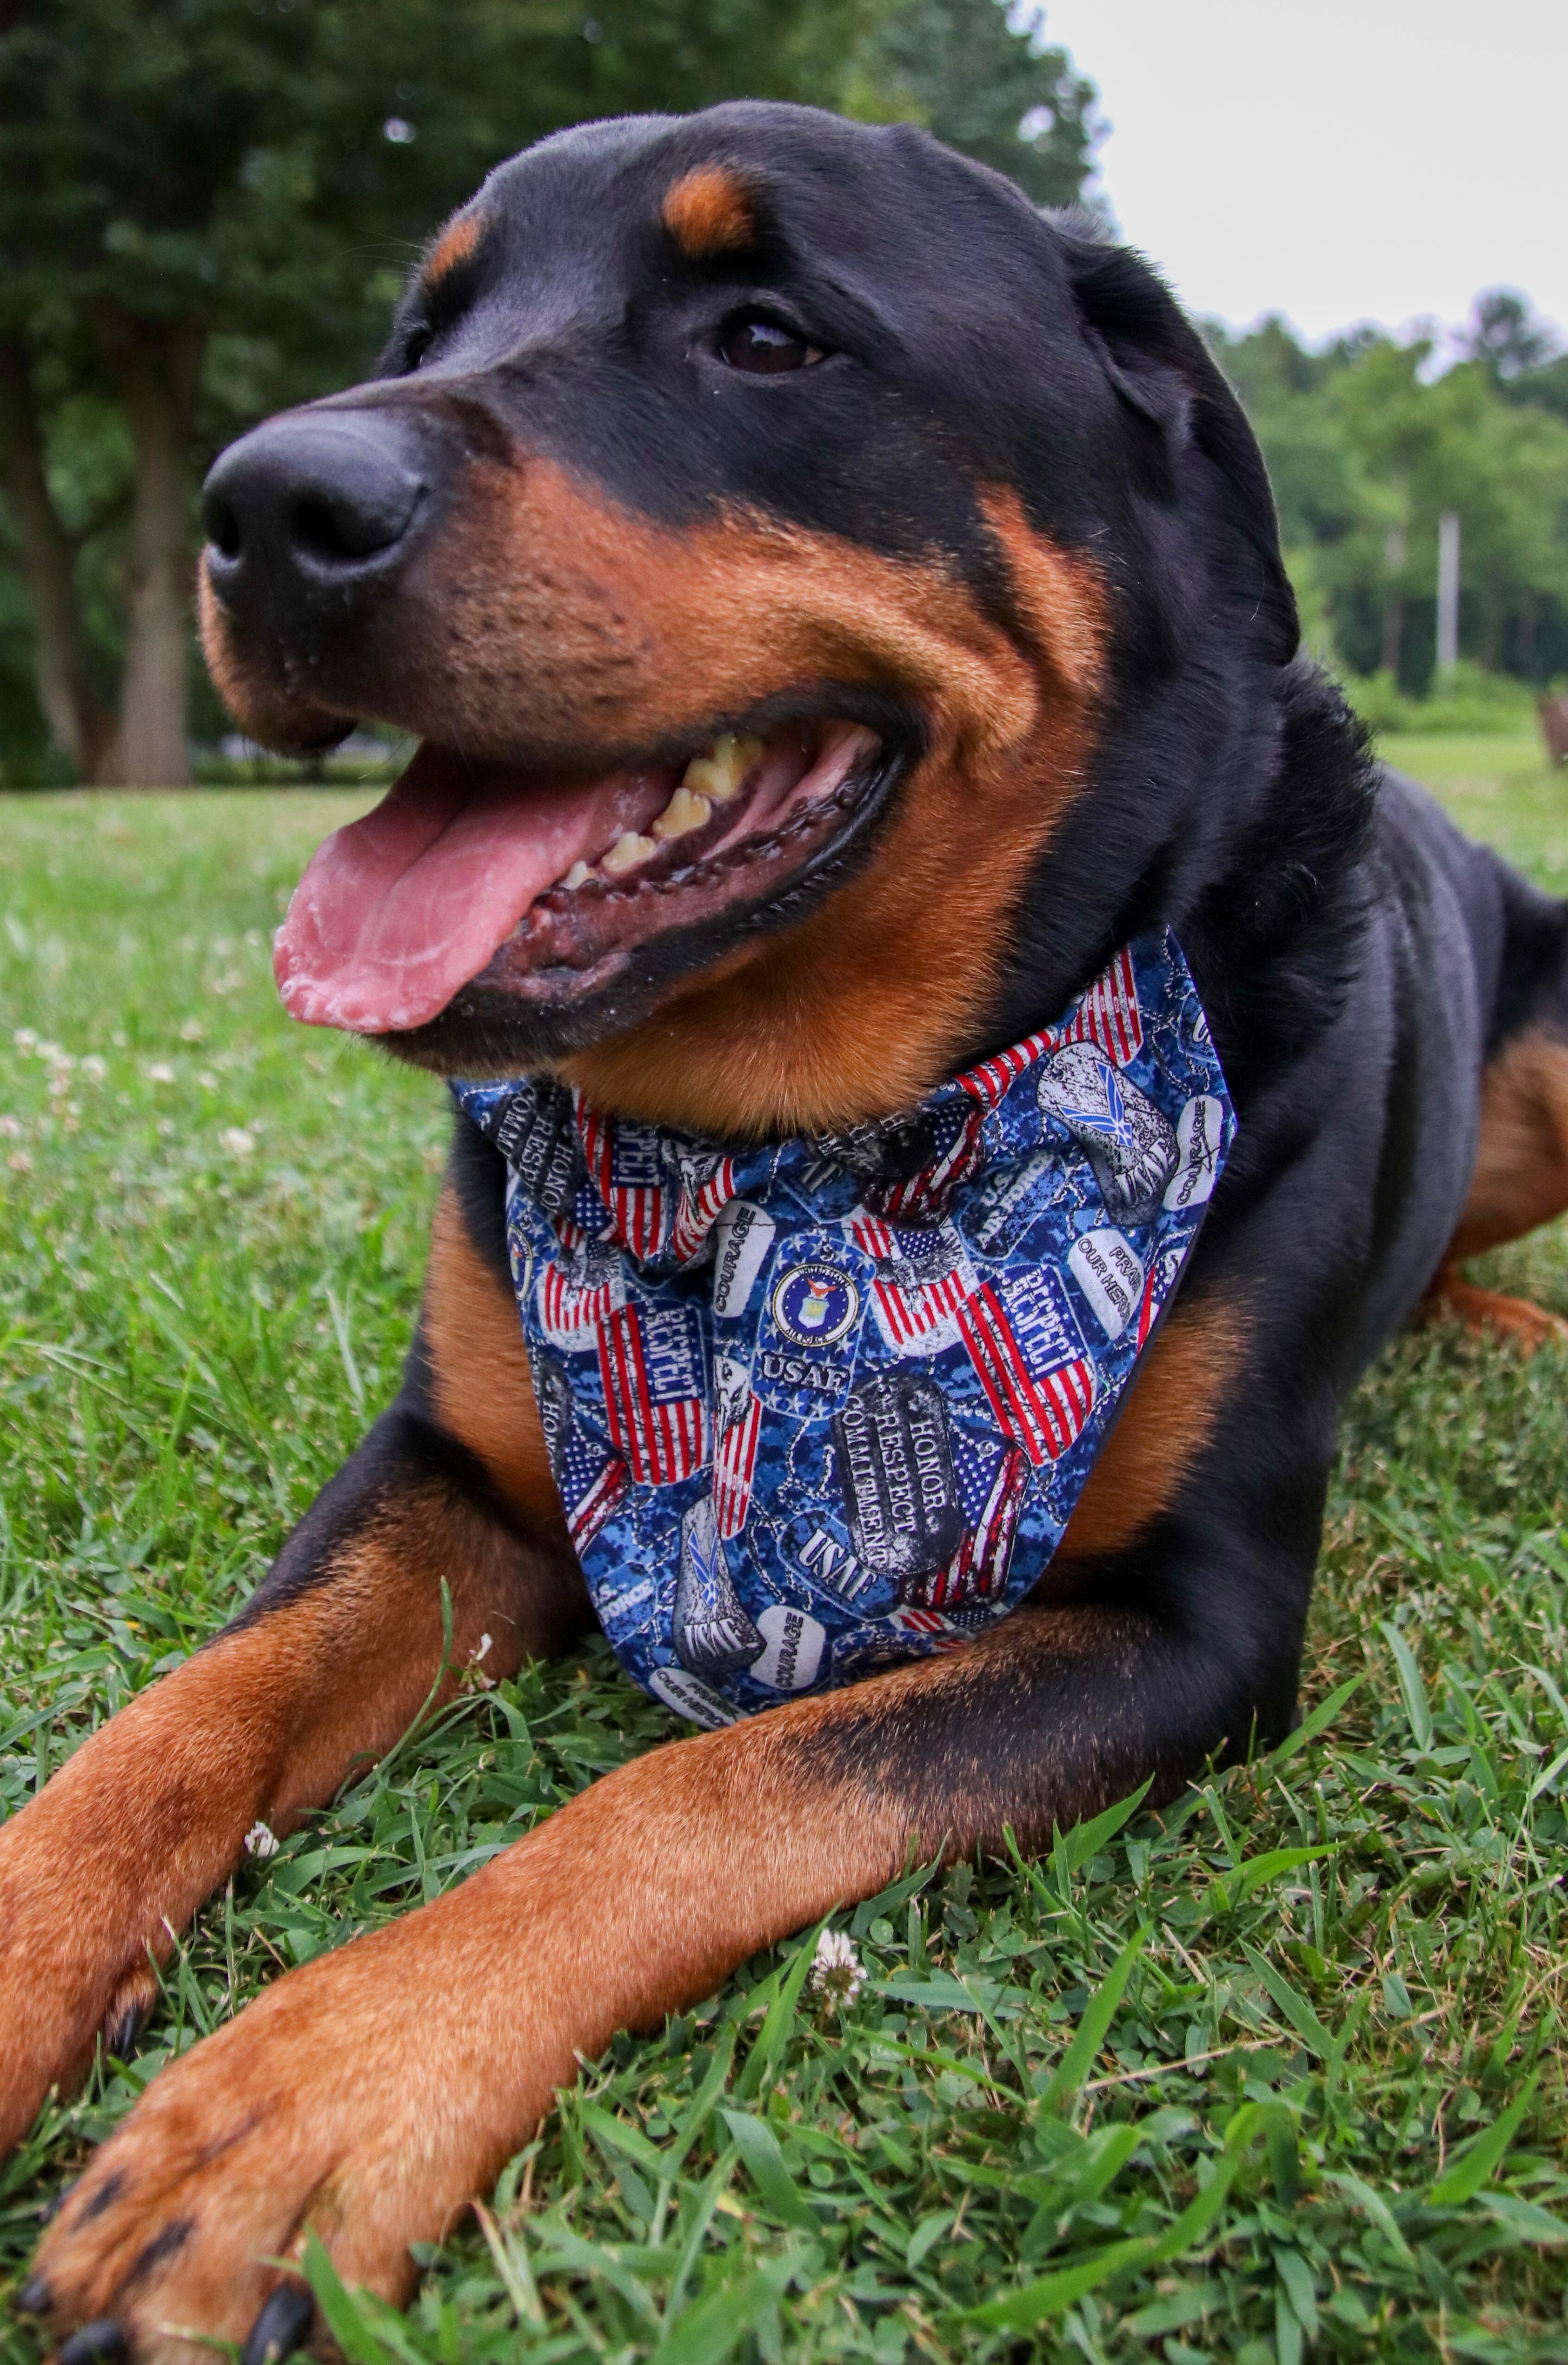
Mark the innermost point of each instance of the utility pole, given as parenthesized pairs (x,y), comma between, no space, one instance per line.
(1447,591)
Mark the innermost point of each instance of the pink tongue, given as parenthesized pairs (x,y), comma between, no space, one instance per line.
(399,910)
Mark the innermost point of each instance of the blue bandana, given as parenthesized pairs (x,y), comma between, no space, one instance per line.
(819,1405)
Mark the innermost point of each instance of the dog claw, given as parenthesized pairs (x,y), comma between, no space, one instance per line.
(33,2298)
(280,2327)
(99,2343)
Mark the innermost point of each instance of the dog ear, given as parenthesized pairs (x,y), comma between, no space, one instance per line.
(1161,369)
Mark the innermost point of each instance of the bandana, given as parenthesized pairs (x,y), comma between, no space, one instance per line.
(819,1405)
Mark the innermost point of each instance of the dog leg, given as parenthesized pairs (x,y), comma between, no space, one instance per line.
(325,1667)
(369,2095)
(1520,1181)
(1487,1313)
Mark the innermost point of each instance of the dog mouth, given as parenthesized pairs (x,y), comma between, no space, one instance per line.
(544,886)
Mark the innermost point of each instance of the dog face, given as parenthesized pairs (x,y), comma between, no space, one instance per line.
(768,525)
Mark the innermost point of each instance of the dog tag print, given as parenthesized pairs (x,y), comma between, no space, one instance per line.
(895,1467)
(994,1483)
(793,1642)
(817,1406)
(922,1280)
(743,1235)
(1200,1145)
(579,1291)
(707,1186)
(626,1163)
(1131,1147)
(535,1135)
(712,1633)
(656,1394)
(1025,1344)
(810,1314)
(737,1426)
(1109,1272)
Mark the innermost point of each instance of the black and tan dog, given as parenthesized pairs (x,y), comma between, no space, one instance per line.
(762,423)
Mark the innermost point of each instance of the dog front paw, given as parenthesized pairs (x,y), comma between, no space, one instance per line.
(365,2099)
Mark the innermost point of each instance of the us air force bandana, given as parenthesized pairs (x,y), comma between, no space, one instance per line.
(818,1405)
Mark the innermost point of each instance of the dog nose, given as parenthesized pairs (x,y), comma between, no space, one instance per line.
(312,502)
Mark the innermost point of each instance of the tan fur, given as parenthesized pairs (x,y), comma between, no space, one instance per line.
(454,245)
(1487,1313)
(710,211)
(1193,1366)
(480,1382)
(1522,1159)
(373,2092)
(1521,1180)
(148,1817)
(549,611)
(272,711)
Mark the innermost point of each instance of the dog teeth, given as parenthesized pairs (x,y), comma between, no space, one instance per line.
(628,850)
(718,774)
(577,877)
(683,813)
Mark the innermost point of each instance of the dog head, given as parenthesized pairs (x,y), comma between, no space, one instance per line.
(826,591)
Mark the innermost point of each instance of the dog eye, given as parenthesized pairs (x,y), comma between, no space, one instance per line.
(417,344)
(765,346)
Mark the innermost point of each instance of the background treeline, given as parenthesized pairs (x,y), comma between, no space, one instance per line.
(206,207)
(1369,441)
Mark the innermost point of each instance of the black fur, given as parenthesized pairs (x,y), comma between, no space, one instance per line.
(1359,960)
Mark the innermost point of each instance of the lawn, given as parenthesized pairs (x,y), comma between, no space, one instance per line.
(1278,2072)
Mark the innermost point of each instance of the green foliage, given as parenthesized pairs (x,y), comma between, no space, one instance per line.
(1276,2072)
(256,176)
(1367,448)
(1001,95)
(1468,700)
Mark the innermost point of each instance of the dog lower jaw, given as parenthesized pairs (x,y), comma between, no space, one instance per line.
(513,1019)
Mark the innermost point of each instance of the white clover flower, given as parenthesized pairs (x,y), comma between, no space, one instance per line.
(237,1141)
(260,1841)
(160,1073)
(11,1127)
(191,1031)
(94,1068)
(837,1974)
(25,1040)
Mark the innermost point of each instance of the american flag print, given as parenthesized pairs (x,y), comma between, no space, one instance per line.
(628,1171)
(978,1570)
(592,1480)
(651,1368)
(923,1279)
(1036,1372)
(579,1292)
(707,1186)
(734,1467)
(821,1404)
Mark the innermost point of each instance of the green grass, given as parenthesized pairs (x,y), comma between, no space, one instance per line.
(1320,2109)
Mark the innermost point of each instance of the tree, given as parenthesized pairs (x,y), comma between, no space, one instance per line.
(988,83)
(206,207)
(1367,448)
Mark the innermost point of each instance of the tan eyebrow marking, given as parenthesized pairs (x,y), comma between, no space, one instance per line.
(454,245)
(710,211)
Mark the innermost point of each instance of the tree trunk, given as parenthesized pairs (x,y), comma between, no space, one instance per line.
(157,367)
(84,729)
(1392,605)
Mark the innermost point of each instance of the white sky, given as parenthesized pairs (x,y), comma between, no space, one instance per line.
(1335,159)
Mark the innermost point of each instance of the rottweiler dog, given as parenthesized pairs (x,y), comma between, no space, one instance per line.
(839,608)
